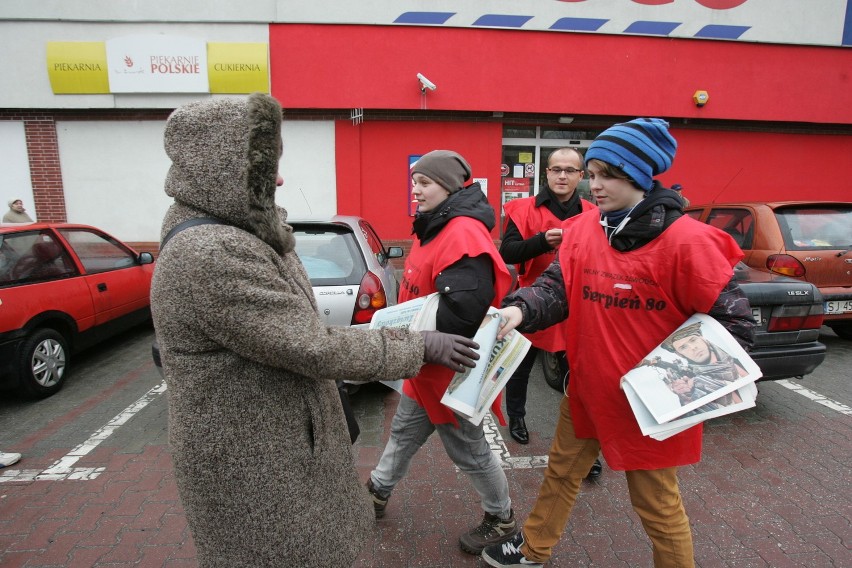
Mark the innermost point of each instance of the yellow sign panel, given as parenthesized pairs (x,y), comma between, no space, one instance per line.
(525,157)
(234,68)
(78,67)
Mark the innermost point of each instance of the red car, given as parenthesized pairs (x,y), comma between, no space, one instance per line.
(806,240)
(63,287)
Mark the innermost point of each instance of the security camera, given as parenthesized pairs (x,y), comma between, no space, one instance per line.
(426,83)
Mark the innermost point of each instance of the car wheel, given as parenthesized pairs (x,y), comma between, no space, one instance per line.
(43,363)
(843,330)
(553,375)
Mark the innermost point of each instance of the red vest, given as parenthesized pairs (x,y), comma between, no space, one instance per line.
(531,220)
(621,306)
(462,236)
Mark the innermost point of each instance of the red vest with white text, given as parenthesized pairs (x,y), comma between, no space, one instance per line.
(462,236)
(621,306)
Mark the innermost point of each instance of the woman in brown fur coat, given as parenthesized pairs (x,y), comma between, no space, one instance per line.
(261,452)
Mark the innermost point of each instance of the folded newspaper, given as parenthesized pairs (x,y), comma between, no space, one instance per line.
(697,373)
(471,392)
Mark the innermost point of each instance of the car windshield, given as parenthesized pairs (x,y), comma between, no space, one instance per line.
(816,228)
(330,254)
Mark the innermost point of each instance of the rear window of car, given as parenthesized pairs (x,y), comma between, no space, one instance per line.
(330,254)
(32,256)
(815,228)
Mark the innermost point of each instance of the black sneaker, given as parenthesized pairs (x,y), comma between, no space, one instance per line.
(507,554)
(379,502)
(492,530)
(596,470)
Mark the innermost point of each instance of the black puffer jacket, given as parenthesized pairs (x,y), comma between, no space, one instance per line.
(471,279)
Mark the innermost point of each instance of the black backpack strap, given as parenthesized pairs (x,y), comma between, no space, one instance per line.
(187,224)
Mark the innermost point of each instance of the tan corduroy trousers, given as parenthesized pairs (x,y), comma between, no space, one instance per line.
(654,494)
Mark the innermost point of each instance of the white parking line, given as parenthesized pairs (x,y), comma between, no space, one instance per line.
(498,447)
(63,467)
(816,397)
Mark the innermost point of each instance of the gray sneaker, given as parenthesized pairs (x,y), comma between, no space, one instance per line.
(492,530)
(379,502)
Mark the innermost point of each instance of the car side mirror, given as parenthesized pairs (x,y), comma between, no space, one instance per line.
(146,258)
(395,252)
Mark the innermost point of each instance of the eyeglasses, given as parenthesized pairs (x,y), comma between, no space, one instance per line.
(559,171)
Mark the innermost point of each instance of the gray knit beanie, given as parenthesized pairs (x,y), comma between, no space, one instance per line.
(445,167)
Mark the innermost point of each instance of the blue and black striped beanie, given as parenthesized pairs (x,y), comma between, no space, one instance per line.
(641,148)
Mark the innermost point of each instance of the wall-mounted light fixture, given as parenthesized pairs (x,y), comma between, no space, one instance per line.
(566,119)
(700,98)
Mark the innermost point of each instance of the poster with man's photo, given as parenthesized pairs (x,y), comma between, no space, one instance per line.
(699,369)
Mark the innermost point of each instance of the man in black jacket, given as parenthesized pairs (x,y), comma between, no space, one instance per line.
(531,237)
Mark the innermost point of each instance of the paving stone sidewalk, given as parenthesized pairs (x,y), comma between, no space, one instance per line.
(773,490)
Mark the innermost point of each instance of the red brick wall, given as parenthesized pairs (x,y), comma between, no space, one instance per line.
(45,171)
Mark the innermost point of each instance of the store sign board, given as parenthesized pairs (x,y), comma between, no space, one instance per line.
(815,22)
(238,67)
(77,67)
(516,183)
(157,64)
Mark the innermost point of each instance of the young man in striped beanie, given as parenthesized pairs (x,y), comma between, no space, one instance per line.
(631,273)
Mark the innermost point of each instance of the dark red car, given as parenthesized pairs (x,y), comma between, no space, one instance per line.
(63,287)
(806,240)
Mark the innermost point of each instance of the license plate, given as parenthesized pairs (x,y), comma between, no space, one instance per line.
(755,313)
(838,307)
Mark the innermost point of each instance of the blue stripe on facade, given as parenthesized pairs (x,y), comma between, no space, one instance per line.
(502,21)
(651,28)
(716,31)
(578,24)
(847,26)
(424,17)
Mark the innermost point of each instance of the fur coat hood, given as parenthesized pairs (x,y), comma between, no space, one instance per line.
(224,163)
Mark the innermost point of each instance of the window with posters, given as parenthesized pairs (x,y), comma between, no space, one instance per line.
(525,153)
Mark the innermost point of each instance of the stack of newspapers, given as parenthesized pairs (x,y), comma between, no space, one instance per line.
(470,393)
(698,372)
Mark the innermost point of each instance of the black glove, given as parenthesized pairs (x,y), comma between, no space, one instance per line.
(452,351)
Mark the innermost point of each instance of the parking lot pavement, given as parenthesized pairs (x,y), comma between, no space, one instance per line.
(773,488)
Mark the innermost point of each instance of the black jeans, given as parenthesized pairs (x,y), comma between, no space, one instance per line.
(516,387)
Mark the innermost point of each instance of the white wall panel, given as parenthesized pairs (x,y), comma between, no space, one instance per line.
(113,174)
(308,169)
(15,182)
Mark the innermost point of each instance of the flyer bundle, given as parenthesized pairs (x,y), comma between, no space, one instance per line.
(697,373)
(471,392)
